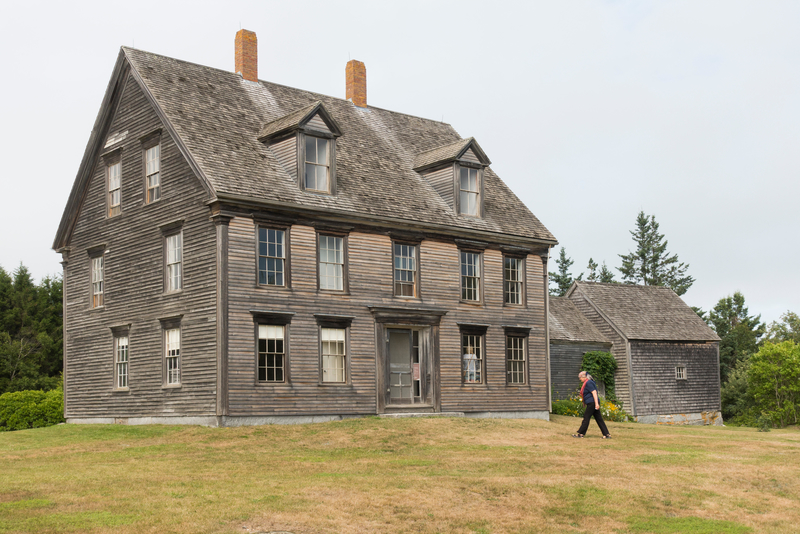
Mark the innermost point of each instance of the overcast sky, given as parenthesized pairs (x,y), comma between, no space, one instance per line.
(590,111)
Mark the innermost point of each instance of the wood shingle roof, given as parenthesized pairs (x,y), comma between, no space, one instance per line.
(567,323)
(646,312)
(219,117)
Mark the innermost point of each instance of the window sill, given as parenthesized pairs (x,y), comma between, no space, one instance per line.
(172,293)
(332,292)
(519,306)
(172,386)
(121,391)
(334,384)
(407,299)
(471,302)
(269,287)
(266,384)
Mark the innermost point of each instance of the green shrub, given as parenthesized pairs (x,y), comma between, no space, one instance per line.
(573,406)
(601,365)
(31,409)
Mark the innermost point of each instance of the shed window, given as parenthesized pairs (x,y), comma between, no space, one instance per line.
(680,372)
(153,173)
(271,353)
(114,186)
(317,164)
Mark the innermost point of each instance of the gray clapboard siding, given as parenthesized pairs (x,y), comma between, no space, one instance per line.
(134,280)
(370,277)
(470,156)
(286,153)
(658,392)
(318,124)
(442,182)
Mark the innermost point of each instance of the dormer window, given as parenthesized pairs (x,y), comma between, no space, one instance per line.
(317,164)
(469,199)
(304,143)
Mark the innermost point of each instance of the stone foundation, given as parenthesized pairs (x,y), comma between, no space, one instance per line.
(698,418)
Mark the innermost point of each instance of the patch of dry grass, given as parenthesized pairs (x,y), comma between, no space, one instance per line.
(403,475)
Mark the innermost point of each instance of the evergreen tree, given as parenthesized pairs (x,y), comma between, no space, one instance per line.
(563,278)
(651,264)
(606,275)
(738,332)
(592,268)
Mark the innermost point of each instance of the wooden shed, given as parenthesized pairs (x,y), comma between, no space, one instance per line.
(668,357)
(571,336)
(237,251)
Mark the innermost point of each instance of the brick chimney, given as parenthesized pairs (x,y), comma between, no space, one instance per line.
(247,55)
(356,75)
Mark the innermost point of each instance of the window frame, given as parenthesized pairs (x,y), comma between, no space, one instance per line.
(522,281)
(113,160)
(462,276)
(169,324)
(479,332)
(287,283)
(150,142)
(117,333)
(167,231)
(345,262)
(301,160)
(336,322)
(272,318)
(479,170)
(416,271)
(681,372)
(93,257)
(517,333)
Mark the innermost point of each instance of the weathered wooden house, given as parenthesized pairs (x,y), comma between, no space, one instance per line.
(571,336)
(240,252)
(668,357)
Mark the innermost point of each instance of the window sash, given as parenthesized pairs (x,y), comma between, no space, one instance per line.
(469,191)
(334,354)
(405,270)
(515,360)
(680,373)
(98,282)
(121,361)
(470,276)
(512,280)
(472,358)
(271,353)
(173,356)
(114,181)
(317,164)
(174,262)
(153,173)
(271,256)
(331,263)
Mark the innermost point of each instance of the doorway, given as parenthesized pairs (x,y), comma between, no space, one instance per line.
(406,369)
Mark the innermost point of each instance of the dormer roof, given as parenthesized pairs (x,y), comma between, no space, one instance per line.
(297,120)
(449,153)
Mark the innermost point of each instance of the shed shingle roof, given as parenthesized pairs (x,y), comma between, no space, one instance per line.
(219,117)
(567,323)
(646,312)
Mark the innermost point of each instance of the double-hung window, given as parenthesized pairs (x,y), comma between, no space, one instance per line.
(121,362)
(271,257)
(114,171)
(515,359)
(472,357)
(271,353)
(317,164)
(98,281)
(405,270)
(680,372)
(471,276)
(152,158)
(174,262)
(469,191)
(331,262)
(513,269)
(172,354)
(334,354)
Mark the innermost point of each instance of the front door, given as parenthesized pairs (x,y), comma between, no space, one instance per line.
(406,380)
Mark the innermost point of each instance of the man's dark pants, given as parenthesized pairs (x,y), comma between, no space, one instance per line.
(587,417)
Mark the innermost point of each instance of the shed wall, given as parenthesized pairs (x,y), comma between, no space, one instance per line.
(565,364)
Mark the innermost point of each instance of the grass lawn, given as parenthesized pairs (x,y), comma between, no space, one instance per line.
(403,475)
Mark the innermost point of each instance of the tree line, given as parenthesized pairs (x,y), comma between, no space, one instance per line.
(759,365)
(31,332)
